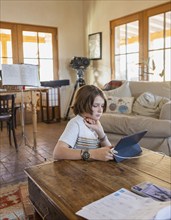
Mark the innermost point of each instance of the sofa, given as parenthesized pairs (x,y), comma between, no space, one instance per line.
(134,106)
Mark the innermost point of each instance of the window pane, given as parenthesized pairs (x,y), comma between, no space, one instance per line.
(46,70)
(168,65)
(168,29)
(31,61)
(158,57)
(5,46)
(5,61)
(156,32)
(126,44)
(45,45)
(132,37)
(120,39)
(38,50)
(120,70)
(30,46)
(133,68)
(153,45)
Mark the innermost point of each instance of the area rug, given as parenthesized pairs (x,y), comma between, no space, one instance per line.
(15,203)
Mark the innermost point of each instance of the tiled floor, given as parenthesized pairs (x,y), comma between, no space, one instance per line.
(12,163)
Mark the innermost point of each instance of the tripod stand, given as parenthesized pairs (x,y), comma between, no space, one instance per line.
(80,82)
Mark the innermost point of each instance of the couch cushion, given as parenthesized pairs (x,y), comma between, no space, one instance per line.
(113,84)
(128,124)
(122,91)
(120,105)
(148,104)
(158,88)
(165,113)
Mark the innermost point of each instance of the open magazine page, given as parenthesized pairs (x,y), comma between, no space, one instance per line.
(29,75)
(123,204)
(11,74)
(20,74)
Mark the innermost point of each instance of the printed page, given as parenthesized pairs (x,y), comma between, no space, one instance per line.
(20,75)
(120,205)
(11,75)
(29,75)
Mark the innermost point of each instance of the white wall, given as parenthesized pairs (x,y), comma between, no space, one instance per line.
(67,16)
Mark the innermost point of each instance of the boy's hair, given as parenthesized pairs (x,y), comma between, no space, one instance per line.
(85,98)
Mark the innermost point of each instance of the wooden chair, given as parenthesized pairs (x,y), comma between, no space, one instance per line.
(17,107)
(7,114)
(15,116)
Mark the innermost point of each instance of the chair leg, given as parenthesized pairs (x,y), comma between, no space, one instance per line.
(9,133)
(1,125)
(15,112)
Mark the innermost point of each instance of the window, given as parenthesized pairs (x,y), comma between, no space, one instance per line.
(30,45)
(141,45)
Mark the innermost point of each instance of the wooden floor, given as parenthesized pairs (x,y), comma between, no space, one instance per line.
(12,163)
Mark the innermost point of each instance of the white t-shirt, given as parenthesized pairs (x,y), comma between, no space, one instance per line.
(78,135)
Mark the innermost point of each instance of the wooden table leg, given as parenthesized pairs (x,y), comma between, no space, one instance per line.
(34,117)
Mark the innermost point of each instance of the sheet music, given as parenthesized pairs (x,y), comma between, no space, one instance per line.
(122,204)
(20,75)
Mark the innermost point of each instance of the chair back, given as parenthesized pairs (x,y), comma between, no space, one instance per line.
(7,113)
(7,104)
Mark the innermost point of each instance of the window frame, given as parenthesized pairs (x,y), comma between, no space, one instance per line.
(142,17)
(17,42)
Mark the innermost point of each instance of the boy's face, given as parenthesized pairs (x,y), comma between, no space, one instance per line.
(97,108)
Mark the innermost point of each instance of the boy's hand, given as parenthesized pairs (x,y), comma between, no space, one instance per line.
(89,121)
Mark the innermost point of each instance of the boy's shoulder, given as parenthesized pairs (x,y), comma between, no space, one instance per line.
(76,121)
(76,118)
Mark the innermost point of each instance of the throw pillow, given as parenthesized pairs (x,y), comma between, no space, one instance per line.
(122,91)
(113,84)
(148,104)
(121,105)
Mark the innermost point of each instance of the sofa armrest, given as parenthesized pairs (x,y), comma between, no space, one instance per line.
(165,113)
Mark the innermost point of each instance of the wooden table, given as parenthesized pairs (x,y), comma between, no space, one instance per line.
(28,96)
(59,189)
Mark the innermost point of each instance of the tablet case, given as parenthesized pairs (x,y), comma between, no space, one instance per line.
(128,146)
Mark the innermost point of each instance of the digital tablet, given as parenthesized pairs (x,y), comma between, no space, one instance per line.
(128,146)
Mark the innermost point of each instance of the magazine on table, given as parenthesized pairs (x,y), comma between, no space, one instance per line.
(124,204)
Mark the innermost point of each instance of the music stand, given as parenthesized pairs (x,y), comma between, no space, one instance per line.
(21,75)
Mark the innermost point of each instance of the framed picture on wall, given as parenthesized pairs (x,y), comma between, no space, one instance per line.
(95,46)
